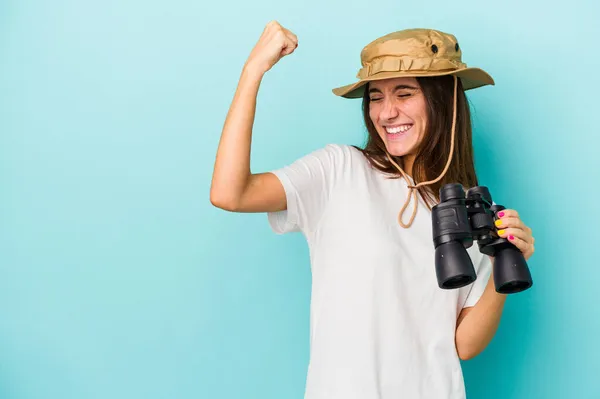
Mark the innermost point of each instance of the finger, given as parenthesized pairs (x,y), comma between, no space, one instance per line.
(512,231)
(292,38)
(291,35)
(514,235)
(508,213)
(527,248)
(288,48)
(514,222)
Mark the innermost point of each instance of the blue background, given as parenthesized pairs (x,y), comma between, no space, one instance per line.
(119,279)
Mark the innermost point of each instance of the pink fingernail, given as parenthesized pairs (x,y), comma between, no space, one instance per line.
(501,214)
(511,237)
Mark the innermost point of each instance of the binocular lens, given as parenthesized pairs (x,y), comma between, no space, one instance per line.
(453,266)
(511,274)
(456,282)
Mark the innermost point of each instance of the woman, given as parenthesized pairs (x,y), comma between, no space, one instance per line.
(380,325)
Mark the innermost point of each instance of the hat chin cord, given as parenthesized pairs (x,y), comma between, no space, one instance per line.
(412,190)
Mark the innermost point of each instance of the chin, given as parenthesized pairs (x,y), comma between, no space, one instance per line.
(400,147)
(396,152)
(397,149)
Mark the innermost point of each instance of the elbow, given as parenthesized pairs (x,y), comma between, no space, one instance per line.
(465,352)
(222,202)
(466,355)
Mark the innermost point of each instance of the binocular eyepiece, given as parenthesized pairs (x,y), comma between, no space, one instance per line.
(458,220)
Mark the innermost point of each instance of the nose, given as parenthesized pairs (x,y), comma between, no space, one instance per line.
(389,110)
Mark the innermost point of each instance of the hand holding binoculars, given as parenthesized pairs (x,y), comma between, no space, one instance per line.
(461,218)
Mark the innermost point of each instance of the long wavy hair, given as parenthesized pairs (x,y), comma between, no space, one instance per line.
(433,151)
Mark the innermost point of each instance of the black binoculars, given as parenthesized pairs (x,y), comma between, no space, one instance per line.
(459,219)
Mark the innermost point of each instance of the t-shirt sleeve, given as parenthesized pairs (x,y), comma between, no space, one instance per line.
(484,271)
(308,183)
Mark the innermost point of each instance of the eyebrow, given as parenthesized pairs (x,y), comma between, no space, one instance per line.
(399,87)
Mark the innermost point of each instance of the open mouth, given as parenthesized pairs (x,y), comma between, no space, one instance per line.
(397,131)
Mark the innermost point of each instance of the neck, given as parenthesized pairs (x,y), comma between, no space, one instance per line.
(407,164)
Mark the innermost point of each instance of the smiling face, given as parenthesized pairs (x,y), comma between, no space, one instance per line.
(398,110)
(428,105)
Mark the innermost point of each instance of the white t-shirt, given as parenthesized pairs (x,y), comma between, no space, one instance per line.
(380,327)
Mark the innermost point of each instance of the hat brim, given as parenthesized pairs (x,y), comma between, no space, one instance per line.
(471,78)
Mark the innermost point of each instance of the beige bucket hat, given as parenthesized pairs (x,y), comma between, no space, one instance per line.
(415,53)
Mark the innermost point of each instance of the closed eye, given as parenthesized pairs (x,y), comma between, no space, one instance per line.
(375,99)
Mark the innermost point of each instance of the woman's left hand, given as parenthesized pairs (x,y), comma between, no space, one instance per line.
(510,226)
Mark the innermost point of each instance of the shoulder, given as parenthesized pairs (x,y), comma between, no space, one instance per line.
(333,159)
(342,152)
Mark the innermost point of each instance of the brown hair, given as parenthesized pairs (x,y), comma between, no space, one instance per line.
(433,151)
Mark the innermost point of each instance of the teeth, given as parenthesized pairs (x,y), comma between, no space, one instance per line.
(398,129)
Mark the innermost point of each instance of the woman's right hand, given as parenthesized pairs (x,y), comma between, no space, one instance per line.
(275,43)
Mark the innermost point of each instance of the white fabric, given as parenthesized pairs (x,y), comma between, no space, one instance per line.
(380,327)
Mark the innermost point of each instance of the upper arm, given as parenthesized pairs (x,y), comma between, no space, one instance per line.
(463,313)
(263,193)
(296,195)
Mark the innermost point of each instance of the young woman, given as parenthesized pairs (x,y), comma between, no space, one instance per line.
(381,328)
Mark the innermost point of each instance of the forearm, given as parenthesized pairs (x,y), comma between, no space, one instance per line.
(477,328)
(232,164)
